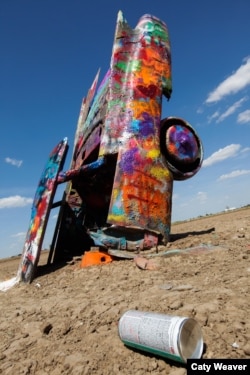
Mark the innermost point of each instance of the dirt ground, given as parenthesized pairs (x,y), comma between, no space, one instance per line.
(66,320)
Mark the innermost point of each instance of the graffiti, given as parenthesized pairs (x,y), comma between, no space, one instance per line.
(126,157)
(40,212)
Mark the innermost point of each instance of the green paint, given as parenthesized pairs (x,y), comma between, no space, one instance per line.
(130,66)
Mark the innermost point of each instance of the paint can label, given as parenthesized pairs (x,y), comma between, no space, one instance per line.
(174,337)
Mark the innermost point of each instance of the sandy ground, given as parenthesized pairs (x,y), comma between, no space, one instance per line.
(66,321)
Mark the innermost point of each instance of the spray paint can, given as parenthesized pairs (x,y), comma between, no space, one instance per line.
(174,337)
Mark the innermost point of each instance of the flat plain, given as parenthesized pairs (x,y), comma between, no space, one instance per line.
(66,320)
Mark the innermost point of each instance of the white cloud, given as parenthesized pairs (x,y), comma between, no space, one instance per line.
(244,150)
(15,201)
(244,117)
(202,196)
(222,154)
(16,163)
(231,110)
(233,84)
(200,110)
(234,174)
(19,235)
(213,116)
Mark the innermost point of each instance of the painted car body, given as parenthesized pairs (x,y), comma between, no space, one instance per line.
(126,157)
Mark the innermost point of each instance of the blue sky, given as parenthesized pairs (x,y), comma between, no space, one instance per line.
(50,53)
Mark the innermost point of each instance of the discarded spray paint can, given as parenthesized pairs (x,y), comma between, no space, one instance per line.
(174,337)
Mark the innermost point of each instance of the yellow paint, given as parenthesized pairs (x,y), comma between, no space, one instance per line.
(160,173)
(154,153)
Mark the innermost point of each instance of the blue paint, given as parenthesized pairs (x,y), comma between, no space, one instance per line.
(128,160)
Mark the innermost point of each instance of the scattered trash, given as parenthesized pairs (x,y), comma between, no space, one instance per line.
(195,250)
(235,345)
(174,337)
(7,284)
(96,257)
(145,264)
(166,286)
(123,254)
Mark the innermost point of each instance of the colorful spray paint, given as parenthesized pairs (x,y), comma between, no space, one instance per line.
(140,73)
(40,212)
(125,155)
